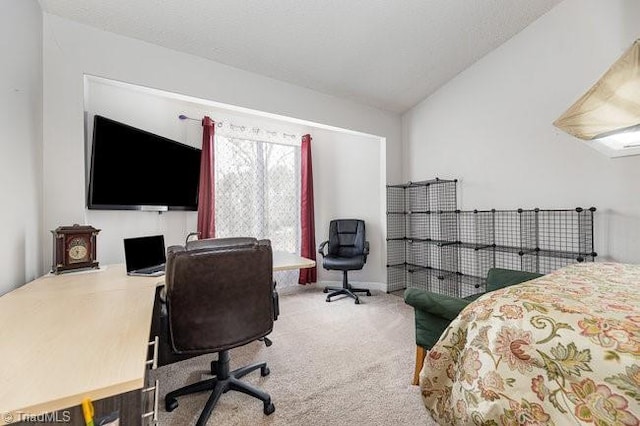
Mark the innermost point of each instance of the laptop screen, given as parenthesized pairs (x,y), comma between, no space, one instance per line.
(143,252)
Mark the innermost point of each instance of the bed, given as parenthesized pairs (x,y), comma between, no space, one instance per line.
(561,349)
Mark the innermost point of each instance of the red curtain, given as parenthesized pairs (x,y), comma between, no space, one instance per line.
(308,248)
(206,191)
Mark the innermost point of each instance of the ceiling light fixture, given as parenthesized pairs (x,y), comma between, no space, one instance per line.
(618,143)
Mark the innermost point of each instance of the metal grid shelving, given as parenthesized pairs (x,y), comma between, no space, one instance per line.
(411,209)
(433,245)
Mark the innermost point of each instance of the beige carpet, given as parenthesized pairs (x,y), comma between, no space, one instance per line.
(331,364)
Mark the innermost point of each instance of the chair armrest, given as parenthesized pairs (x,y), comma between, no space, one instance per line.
(321,247)
(500,278)
(440,305)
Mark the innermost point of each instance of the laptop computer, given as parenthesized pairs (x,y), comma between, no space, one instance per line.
(145,256)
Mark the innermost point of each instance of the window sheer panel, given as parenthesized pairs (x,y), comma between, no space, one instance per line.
(258,192)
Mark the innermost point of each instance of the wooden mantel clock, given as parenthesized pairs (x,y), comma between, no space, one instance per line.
(74,247)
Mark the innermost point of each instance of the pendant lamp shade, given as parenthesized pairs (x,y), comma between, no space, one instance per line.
(612,105)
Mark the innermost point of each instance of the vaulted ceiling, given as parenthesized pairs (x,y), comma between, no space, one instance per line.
(390,54)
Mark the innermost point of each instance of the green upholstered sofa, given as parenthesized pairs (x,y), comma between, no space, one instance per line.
(434,312)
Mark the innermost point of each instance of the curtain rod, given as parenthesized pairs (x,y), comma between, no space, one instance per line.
(243,128)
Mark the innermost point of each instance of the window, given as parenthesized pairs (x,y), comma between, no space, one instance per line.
(258,189)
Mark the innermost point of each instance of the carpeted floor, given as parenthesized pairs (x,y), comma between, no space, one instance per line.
(331,364)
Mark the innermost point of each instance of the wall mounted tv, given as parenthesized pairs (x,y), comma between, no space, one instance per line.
(132,169)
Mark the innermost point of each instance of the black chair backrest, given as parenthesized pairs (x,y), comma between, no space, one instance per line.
(346,237)
(219,294)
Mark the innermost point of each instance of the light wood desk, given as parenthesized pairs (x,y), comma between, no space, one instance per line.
(72,336)
(283,261)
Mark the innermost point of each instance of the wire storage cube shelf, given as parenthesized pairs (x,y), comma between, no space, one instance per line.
(396,232)
(443,282)
(474,228)
(542,241)
(428,195)
(420,217)
(433,246)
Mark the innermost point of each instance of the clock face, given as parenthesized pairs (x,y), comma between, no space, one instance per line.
(78,250)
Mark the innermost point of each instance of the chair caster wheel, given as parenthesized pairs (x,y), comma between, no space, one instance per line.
(264,371)
(170,404)
(266,340)
(269,408)
(326,290)
(368,293)
(357,301)
(328,300)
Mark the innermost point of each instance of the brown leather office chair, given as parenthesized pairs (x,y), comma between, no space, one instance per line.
(219,295)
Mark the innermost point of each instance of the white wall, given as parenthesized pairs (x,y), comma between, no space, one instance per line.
(20,142)
(346,185)
(71,50)
(491,126)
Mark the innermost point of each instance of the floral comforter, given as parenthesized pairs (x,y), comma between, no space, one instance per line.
(559,350)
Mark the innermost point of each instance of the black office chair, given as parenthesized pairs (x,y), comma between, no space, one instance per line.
(347,251)
(219,295)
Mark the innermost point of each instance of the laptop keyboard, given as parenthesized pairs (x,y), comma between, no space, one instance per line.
(151,269)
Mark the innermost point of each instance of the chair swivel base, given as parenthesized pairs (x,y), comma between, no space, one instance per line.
(222,383)
(337,291)
(346,289)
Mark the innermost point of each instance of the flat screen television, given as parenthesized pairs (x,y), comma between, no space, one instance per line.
(132,169)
